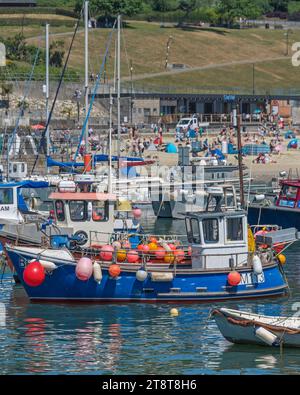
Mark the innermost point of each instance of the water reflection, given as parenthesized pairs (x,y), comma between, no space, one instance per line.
(136,339)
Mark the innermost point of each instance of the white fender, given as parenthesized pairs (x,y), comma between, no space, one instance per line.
(47,265)
(165,245)
(97,272)
(257,265)
(266,336)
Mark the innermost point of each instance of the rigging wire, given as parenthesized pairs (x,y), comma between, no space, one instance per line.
(96,86)
(58,89)
(26,93)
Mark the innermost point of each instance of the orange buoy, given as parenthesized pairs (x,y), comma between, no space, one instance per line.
(87,160)
(153,240)
(234,278)
(114,270)
(121,255)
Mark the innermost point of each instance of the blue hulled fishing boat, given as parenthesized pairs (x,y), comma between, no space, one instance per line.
(285,209)
(225,263)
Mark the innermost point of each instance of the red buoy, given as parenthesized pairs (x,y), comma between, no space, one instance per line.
(34,274)
(234,278)
(114,270)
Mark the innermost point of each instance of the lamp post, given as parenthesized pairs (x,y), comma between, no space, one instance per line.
(77,96)
(168,51)
(253,79)
(287,35)
(131,94)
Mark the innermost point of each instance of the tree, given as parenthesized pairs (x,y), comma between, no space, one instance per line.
(188,5)
(164,5)
(279,5)
(115,7)
(230,10)
(56,54)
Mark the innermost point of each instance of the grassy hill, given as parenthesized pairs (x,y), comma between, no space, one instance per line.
(213,56)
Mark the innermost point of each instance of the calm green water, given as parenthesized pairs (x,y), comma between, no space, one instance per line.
(135,339)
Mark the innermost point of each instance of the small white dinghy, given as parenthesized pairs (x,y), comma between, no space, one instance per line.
(247,328)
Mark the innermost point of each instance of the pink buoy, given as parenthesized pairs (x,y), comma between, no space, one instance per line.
(117,245)
(132,256)
(172,246)
(179,255)
(160,253)
(106,253)
(137,213)
(126,245)
(84,269)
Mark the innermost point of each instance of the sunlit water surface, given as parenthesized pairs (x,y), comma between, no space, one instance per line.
(136,338)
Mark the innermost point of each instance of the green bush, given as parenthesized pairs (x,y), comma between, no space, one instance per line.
(32,21)
(41,10)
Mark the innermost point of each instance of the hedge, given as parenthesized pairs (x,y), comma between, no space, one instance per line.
(40,10)
(32,21)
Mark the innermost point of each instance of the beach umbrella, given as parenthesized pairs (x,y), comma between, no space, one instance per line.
(171,149)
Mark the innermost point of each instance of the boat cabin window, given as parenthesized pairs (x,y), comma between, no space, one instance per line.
(210,230)
(234,229)
(289,191)
(6,196)
(100,211)
(193,230)
(60,210)
(78,210)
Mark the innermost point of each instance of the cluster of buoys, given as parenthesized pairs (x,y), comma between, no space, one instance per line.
(122,251)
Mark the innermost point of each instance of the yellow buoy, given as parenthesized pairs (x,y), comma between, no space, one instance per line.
(169,257)
(152,246)
(121,255)
(174,312)
(282,259)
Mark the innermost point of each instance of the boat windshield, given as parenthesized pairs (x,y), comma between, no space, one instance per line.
(6,196)
(289,191)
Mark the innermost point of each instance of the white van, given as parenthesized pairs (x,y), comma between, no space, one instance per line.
(185,123)
(193,123)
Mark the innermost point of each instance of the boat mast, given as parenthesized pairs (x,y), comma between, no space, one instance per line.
(109,142)
(119,84)
(86,69)
(47,89)
(240,155)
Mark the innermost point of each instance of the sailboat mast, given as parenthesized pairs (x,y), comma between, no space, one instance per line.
(240,156)
(47,89)
(119,85)
(86,69)
(109,142)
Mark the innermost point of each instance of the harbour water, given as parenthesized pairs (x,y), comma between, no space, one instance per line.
(136,338)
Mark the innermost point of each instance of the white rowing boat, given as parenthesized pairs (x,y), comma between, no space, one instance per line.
(247,328)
